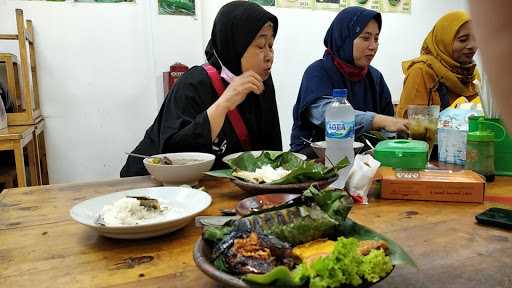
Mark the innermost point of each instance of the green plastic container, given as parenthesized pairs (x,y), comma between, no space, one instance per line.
(480,151)
(503,147)
(402,154)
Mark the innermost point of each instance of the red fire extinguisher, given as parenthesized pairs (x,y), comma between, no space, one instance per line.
(175,71)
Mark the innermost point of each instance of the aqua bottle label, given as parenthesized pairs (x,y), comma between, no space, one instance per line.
(339,129)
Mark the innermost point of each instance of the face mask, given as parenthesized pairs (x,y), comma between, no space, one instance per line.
(225,73)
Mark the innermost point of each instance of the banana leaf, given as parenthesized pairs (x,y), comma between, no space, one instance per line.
(294,225)
(223,173)
(335,203)
(301,170)
(317,215)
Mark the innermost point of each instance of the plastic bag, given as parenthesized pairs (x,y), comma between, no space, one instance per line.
(360,177)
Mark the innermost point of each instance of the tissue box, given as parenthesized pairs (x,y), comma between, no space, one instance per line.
(452,133)
(433,185)
(451,145)
(400,153)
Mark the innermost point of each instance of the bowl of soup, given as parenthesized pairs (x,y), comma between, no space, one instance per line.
(179,168)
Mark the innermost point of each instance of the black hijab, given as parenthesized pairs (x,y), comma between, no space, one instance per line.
(234,29)
(237,24)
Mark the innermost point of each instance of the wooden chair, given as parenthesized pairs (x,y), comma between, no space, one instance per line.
(40,146)
(16,138)
(26,125)
(13,80)
(31,113)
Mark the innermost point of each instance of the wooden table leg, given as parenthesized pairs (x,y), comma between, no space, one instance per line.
(33,162)
(20,165)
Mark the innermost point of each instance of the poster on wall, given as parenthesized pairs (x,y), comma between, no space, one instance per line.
(330,4)
(102,1)
(264,2)
(396,6)
(90,1)
(308,4)
(177,7)
(368,4)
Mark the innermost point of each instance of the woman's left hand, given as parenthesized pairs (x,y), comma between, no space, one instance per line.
(391,124)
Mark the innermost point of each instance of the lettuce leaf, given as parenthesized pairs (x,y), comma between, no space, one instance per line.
(344,266)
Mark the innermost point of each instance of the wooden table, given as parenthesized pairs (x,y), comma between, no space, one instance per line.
(40,246)
(15,138)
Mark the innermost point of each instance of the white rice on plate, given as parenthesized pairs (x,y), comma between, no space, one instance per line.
(265,174)
(128,211)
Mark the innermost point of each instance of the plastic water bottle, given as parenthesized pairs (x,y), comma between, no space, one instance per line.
(339,134)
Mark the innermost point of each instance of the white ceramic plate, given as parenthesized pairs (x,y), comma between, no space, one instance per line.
(258,153)
(187,203)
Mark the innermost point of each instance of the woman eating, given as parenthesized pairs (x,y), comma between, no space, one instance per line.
(227,105)
(351,44)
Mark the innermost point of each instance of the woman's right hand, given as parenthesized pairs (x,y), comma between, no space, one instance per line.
(242,85)
(234,94)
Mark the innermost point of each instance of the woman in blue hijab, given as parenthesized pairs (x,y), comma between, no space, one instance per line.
(351,43)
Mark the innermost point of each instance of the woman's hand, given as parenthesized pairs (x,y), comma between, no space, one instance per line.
(390,124)
(242,85)
(234,94)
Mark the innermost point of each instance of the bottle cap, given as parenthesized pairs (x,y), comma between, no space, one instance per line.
(339,93)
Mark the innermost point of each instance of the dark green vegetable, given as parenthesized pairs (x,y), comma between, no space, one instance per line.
(216,234)
(280,276)
(220,264)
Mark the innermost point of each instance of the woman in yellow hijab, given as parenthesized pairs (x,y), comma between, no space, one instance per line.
(445,69)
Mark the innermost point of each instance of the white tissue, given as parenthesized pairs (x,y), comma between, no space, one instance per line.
(360,177)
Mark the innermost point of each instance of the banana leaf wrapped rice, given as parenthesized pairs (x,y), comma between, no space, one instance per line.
(253,169)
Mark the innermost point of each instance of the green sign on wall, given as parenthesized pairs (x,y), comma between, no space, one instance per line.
(177,7)
(265,2)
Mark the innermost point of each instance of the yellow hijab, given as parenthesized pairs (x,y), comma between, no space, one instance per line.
(436,52)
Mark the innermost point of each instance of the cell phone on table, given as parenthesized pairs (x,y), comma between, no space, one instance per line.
(498,217)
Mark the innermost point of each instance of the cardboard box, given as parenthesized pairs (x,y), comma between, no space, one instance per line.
(433,185)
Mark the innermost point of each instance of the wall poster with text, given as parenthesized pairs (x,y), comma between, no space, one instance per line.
(264,2)
(177,7)
(308,4)
(330,4)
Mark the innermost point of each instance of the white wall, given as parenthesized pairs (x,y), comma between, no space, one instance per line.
(100,68)
(100,76)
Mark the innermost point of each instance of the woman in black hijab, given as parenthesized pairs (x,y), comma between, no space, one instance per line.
(195,118)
